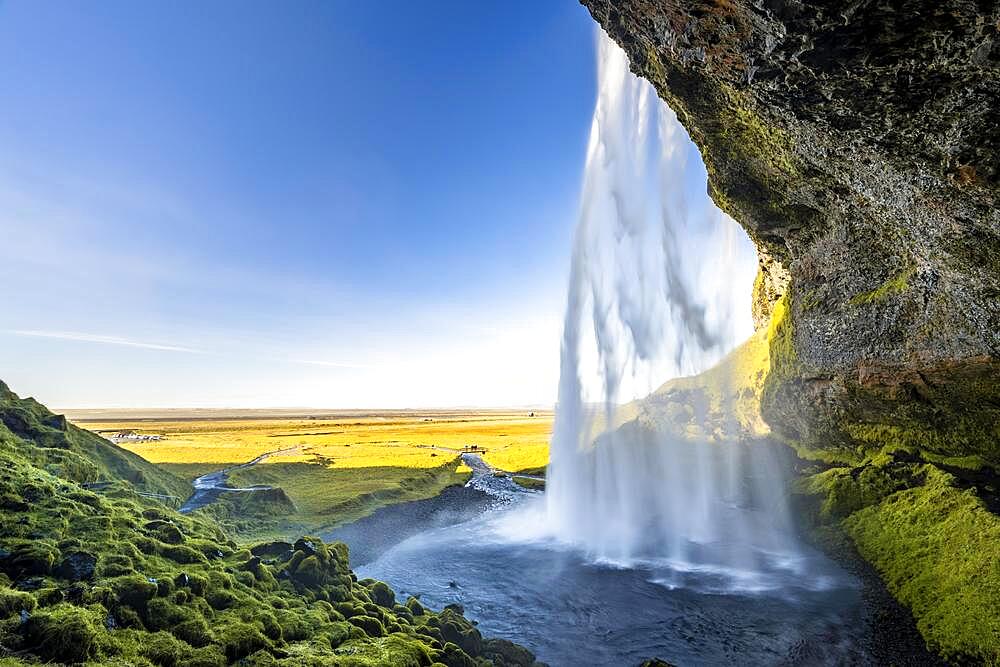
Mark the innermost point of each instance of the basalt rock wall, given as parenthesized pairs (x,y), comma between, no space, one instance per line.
(859,145)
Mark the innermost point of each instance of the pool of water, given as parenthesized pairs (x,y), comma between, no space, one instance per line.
(518,584)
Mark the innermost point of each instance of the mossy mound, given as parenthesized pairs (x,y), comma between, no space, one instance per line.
(936,547)
(932,536)
(113,577)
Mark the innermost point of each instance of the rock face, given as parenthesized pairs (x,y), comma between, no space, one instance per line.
(859,146)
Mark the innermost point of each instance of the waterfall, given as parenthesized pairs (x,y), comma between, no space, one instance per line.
(659,287)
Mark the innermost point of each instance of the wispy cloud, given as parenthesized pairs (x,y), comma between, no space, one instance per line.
(334,364)
(97,338)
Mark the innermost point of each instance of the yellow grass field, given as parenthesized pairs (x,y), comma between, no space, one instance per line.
(512,441)
(339,468)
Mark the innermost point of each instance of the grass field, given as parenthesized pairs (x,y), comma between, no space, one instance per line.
(342,467)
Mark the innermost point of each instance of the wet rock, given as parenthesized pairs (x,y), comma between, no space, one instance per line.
(504,653)
(382,595)
(309,545)
(272,549)
(655,662)
(77,566)
(31,583)
(413,604)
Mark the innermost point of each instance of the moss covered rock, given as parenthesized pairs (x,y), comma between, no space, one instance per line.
(120,578)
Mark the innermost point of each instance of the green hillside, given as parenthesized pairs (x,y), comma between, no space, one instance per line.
(76,455)
(112,577)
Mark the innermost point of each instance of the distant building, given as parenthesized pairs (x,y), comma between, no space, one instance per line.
(129,435)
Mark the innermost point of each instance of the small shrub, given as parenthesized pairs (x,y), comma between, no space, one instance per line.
(181,553)
(208,656)
(272,629)
(413,604)
(31,558)
(115,565)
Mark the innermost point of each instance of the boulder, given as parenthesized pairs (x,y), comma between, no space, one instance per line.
(271,549)
(77,566)
(505,653)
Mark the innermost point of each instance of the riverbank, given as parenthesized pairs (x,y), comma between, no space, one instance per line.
(441,547)
(456,549)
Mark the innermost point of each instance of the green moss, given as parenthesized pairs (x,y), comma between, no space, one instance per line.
(958,439)
(397,649)
(781,337)
(133,590)
(150,602)
(239,640)
(372,626)
(413,604)
(67,633)
(935,545)
(756,142)
(811,300)
(13,602)
(381,594)
(842,491)
(163,649)
(898,283)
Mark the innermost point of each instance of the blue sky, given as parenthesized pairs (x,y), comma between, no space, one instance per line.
(336,204)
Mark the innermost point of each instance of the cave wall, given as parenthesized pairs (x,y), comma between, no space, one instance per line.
(859,146)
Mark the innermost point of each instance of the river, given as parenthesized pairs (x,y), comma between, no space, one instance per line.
(481,548)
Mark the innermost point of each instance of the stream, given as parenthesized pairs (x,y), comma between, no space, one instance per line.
(481,547)
(209,486)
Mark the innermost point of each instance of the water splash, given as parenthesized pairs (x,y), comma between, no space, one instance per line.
(659,287)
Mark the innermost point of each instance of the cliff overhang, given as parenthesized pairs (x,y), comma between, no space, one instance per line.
(858,144)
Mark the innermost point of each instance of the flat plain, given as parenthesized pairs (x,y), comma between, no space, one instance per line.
(334,467)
